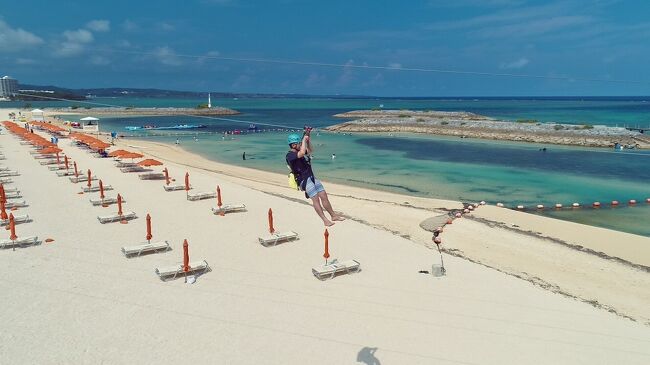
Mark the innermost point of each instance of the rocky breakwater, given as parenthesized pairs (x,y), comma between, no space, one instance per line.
(470,125)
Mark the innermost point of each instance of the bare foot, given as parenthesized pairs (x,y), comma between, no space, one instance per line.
(328,223)
(338,218)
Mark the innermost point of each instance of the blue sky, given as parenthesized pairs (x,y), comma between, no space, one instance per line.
(182,45)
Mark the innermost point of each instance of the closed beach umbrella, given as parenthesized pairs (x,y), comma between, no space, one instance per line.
(271,229)
(119,204)
(149,162)
(149,235)
(58,161)
(186,257)
(187,181)
(326,254)
(221,212)
(3,197)
(166,176)
(89,176)
(12,227)
(101,190)
(76,172)
(3,211)
(65,160)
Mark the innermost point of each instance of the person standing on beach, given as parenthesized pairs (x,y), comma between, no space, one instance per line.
(243,156)
(300,164)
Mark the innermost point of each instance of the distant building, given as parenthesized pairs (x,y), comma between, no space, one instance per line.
(8,87)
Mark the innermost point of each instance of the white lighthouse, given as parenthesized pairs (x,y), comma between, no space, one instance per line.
(209,102)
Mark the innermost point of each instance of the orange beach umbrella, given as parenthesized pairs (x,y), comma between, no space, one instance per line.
(186,257)
(149,235)
(187,181)
(326,254)
(166,176)
(119,204)
(101,190)
(221,213)
(65,160)
(89,176)
(12,227)
(49,150)
(118,153)
(3,197)
(76,172)
(131,155)
(149,162)
(3,211)
(271,229)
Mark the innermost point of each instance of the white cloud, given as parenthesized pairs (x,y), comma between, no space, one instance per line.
(99,25)
(166,27)
(25,61)
(16,39)
(314,79)
(78,36)
(167,56)
(129,26)
(99,61)
(347,75)
(395,65)
(68,49)
(520,63)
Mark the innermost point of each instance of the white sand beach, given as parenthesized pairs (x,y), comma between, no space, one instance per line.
(77,299)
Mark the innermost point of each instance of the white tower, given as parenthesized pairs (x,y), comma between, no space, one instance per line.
(209,102)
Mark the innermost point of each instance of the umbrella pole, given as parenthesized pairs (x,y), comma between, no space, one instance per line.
(442,262)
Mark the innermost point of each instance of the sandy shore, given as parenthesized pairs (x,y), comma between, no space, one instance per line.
(469,125)
(83,302)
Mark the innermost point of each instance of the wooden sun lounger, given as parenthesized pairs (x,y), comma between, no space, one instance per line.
(201,195)
(116,217)
(17,204)
(55,168)
(106,201)
(6,180)
(133,169)
(81,178)
(325,272)
(93,189)
(152,176)
(45,157)
(17,219)
(8,190)
(32,240)
(65,173)
(48,162)
(175,187)
(229,208)
(125,164)
(131,251)
(276,238)
(9,173)
(172,272)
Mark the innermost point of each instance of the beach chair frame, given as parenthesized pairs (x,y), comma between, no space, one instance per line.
(276,238)
(136,251)
(116,217)
(173,272)
(229,208)
(201,196)
(21,242)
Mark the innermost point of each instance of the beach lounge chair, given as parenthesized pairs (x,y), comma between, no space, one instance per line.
(172,272)
(65,173)
(133,169)
(81,178)
(9,173)
(93,189)
(131,251)
(328,271)
(152,176)
(17,219)
(6,180)
(48,162)
(125,164)
(45,157)
(175,187)
(229,208)
(276,238)
(32,240)
(13,195)
(7,190)
(105,201)
(17,204)
(4,168)
(116,217)
(56,168)
(201,195)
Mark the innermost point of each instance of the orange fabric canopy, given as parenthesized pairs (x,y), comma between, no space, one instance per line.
(150,162)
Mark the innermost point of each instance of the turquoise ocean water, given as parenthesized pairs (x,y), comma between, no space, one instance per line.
(451,168)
